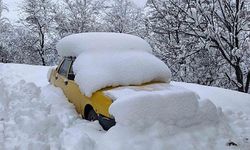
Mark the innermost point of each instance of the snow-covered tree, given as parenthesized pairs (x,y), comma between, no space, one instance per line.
(77,16)
(214,29)
(181,52)
(38,18)
(2,8)
(21,48)
(224,26)
(123,16)
(5,27)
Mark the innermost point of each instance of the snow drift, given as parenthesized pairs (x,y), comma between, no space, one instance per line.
(95,71)
(218,96)
(76,44)
(38,116)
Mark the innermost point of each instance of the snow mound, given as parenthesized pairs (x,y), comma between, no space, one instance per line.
(13,73)
(75,44)
(83,141)
(228,99)
(30,118)
(95,71)
(160,103)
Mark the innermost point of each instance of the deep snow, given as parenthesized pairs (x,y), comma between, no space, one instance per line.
(162,102)
(35,115)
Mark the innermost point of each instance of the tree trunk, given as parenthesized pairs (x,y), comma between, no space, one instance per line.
(239,77)
(247,82)
(43,61)
(42,58)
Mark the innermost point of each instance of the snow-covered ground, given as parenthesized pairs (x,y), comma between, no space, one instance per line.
(36,115)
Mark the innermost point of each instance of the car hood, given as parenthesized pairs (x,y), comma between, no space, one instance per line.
(153,88)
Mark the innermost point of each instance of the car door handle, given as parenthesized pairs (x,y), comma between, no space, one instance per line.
(56,77)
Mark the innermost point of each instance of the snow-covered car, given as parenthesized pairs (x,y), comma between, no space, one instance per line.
(91,108)
(94,63)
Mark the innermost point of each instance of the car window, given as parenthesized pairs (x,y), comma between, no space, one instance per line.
(71,75)
(71,69)
(63,70)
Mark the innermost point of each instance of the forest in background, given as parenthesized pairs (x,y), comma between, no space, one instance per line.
(202,41)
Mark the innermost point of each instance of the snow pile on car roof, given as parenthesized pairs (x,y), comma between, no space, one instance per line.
(165,103)
(112,59)
(95,71)
(75,44)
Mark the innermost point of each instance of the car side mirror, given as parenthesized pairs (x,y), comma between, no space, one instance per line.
(71,76)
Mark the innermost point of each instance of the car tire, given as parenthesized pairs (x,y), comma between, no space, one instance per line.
(92,116)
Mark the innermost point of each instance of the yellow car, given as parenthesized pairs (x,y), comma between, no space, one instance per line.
(91,108)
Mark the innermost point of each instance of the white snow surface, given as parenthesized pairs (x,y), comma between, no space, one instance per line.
(161,102)
(95,71)
(220,96)
(76,44)
(35,115)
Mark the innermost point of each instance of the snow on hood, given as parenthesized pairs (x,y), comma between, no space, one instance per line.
(164,103)
(75,44)
(95,71)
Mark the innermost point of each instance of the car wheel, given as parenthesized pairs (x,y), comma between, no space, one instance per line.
(92,116)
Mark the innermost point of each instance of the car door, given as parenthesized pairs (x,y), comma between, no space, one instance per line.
(65,80)
(72,89)
(62,75)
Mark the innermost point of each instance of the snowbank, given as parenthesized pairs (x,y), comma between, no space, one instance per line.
(13,73)
(83,141)
(228,99)
(75,44)
(41,118)
(95,71)
(160,103)
(38,118)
